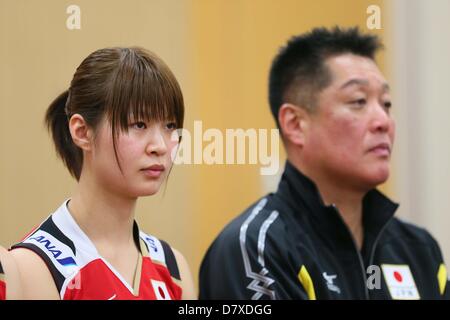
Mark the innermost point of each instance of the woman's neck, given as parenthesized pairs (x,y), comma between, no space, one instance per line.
(105,217)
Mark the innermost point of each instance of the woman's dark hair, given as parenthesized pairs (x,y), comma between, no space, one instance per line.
(120,83)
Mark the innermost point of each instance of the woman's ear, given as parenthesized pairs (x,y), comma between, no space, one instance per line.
(294,122)
(81,133)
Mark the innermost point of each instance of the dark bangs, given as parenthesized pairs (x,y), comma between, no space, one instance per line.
(142,88)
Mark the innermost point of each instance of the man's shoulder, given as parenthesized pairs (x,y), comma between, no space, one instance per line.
(400,229)
(261,221)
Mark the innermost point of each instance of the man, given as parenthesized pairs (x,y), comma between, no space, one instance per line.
(327,233)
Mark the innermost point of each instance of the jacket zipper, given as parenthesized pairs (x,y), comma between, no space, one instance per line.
(372,254)
(361,262)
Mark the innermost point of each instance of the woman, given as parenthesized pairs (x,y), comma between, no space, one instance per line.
(8,275)
(115,129)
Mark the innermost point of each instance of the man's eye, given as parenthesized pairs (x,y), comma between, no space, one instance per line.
(359,102)
(139,125)
(171,126)
(388,104)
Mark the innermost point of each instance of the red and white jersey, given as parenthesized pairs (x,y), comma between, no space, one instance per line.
(2,284)
(80,272)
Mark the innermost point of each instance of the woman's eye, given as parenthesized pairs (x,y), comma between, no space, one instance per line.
(171,126)
(139,125)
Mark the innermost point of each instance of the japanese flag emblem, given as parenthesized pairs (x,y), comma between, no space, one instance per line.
(160,290)
(400,282)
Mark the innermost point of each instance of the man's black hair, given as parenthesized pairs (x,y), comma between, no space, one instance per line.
(299,72)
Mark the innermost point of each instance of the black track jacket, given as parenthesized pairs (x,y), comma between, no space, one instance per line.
(289,245)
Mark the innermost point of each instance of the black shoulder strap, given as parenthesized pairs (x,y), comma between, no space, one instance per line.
(57,276)
(171,262)
(49,227)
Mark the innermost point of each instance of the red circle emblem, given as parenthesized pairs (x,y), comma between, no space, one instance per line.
(398,276)
(161,293)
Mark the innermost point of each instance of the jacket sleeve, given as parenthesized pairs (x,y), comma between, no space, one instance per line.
(250,261)
(446,290)
(441,271)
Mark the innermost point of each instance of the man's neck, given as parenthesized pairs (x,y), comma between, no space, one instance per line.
(347,200)
(349,205)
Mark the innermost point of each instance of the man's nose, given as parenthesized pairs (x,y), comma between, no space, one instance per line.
(381,119)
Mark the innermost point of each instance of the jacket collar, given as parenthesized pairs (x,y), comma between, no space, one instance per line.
(302,193)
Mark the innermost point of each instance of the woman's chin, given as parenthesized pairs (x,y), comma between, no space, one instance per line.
(146,193)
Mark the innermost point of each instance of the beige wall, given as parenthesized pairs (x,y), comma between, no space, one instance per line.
(38,58)
(419,62)
(233,44)
(220,50)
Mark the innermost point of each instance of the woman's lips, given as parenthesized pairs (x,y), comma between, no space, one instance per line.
(154,171)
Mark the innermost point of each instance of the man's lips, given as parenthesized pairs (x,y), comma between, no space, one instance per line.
(381,149)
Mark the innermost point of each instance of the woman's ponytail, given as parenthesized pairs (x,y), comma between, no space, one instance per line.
(57,122)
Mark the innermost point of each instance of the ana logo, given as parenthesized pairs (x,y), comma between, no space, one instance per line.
(160,290)
(400,282)
(68,261)
(152,244)
(330,282)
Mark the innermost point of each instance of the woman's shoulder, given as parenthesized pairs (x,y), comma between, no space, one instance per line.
(35,277)
(9,275)
(162,252)
(187,283)
(38,256)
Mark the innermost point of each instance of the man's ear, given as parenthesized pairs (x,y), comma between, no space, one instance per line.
(81,133)
(294,122)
